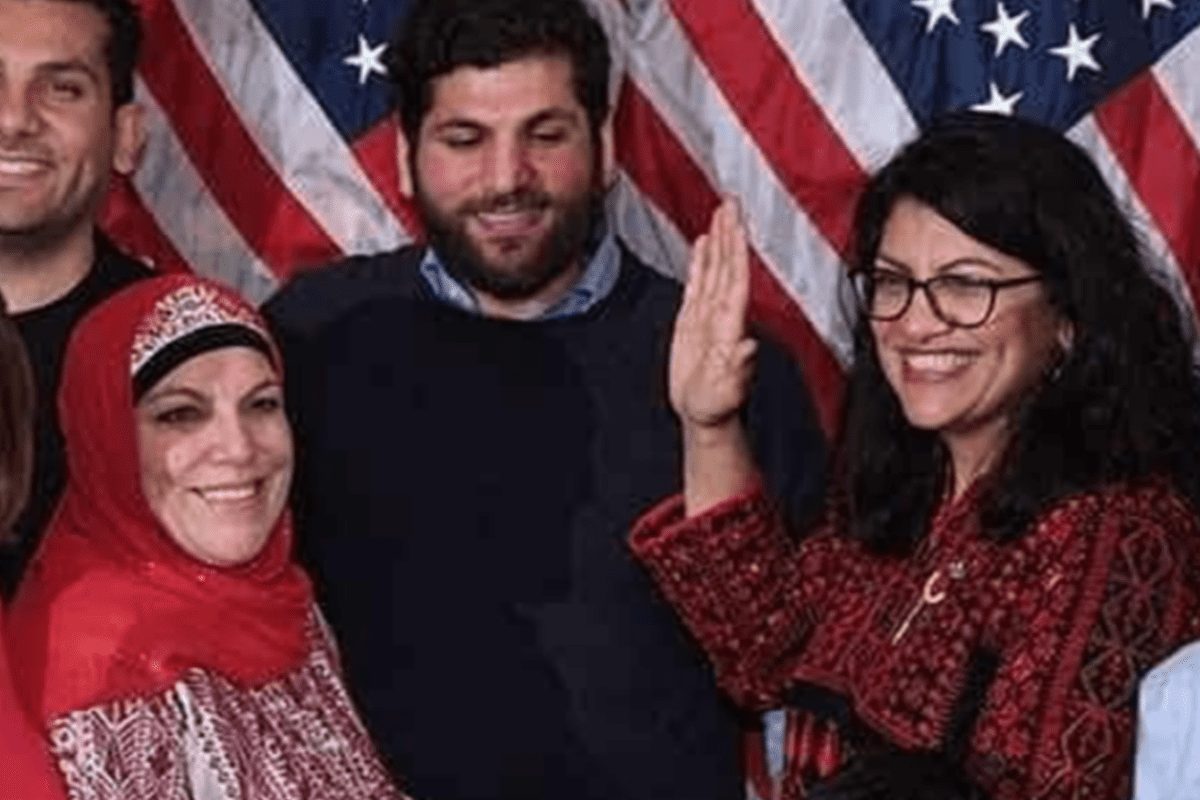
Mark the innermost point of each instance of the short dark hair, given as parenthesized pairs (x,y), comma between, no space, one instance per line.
(1124,404)
(123,45)
(16,424)
(439,36)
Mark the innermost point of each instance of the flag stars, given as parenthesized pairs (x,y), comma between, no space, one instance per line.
(938,10)
(368,60)
(998,103)
(1007,30)
(1150,5)
(1077,52)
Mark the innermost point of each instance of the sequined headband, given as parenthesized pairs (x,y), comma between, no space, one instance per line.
(185,323)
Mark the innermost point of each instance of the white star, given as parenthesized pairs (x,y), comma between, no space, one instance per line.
(938,10)
(1149,5)
(367,59)
(1007,30)
(1077,52)
(998,103)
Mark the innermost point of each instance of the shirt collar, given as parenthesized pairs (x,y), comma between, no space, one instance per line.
(595,284)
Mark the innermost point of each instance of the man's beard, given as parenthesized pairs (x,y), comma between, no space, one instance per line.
(561,248)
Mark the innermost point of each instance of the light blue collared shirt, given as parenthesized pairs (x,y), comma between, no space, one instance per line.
(595,284)
(1168,748)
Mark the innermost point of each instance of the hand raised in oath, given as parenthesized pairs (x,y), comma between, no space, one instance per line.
(712,356)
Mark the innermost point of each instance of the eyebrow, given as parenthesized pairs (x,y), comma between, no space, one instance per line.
(457,122)
(71,66)
(168,391)
(942,269)
(555,114)
(266,383)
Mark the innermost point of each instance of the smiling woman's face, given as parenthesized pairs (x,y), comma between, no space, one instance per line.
(961,382)
(215,452)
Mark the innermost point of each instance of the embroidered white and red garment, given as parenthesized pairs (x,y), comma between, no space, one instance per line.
(1103,586)
(294,738)
(155,674)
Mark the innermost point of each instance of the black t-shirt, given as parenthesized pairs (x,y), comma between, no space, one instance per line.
(45,331)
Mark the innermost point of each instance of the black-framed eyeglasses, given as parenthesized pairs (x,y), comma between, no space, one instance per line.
(957,300)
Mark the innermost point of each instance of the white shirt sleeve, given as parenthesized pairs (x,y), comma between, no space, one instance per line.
(1168,740)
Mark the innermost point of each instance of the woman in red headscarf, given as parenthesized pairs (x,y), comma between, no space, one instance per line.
(27,773)
(169,644)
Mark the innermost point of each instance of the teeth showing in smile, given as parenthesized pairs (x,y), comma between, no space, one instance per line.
(936,362)
(508,220)
(19,166)
(229,494)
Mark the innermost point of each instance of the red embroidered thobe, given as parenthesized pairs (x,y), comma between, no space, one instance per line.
(1101,588)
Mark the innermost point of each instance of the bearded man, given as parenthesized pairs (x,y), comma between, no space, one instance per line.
(480,419)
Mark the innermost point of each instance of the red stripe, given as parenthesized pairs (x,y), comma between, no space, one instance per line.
(754,760)
(775,310)
(1160,159)
(786,122)
(279,229)
(124,218)
(376,153)
(666,173)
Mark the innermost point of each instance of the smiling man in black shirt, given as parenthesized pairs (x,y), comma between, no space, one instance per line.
(67,120)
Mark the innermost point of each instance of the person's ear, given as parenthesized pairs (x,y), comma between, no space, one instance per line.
(607,155)
(129,138)
(404,163)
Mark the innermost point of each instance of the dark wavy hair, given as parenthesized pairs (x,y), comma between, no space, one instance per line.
(16,424)
(1124,404)
(122,46)
(439,36)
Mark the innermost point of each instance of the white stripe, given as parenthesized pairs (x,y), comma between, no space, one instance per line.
(664,66)
(1176,73)
(1162,260)
(647,230)
(841,70)
(289,126)
(187,213)
(613,19)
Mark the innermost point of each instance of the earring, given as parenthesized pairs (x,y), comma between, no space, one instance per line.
(1060,363)
(1066,345)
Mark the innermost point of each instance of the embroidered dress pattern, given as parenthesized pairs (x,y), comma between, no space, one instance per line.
(184,311)
(205,739)
(1102,587)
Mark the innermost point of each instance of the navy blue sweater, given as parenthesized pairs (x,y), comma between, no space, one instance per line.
(464,495)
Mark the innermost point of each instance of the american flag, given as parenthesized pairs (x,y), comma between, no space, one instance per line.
(271,148)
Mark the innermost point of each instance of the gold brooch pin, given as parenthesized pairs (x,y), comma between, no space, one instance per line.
(930,596)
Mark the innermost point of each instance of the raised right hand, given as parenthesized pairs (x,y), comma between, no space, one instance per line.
(712,356)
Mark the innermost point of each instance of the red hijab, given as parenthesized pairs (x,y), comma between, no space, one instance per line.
(111,608)
(27,772)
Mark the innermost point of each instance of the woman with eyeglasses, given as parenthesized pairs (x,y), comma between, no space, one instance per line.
(1011,538)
